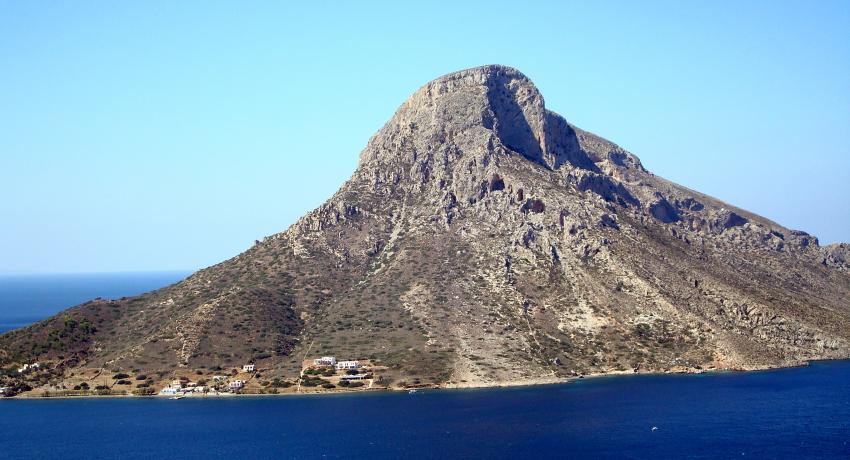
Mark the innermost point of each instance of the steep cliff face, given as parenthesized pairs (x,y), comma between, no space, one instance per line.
(484,239)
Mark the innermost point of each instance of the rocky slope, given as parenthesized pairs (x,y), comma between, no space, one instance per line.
(483,239)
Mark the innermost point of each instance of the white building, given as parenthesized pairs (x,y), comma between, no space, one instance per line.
(356,377)
(28,367)
(236,385)
(325,361)
(170,391)
(219,378)
(348,365)
(248,368)
(173,388)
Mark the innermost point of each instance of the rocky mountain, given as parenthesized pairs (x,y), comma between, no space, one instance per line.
(482,239)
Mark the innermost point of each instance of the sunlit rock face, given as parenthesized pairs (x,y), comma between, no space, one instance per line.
(484,239)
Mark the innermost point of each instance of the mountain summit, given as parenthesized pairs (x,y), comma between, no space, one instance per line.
(481,240)
(491,101)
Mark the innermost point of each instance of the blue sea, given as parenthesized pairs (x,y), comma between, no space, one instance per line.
(25,299)
(787,413)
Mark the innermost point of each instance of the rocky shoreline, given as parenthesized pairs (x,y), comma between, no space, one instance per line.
(446,386)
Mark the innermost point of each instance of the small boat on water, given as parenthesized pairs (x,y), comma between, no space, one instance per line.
(177,397)
(412,391)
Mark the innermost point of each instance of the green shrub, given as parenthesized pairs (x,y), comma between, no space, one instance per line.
(313,381)
(278,383)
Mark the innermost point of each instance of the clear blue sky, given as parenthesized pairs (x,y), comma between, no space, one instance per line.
(148,136)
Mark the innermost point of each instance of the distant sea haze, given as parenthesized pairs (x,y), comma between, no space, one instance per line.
(25,299)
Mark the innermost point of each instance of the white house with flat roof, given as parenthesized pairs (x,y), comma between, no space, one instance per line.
(28,367)
(348,365)
(248,368)
(235,385)
(325,361)
(173,388)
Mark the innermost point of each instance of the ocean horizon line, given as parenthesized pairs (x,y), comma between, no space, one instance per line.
(93,273)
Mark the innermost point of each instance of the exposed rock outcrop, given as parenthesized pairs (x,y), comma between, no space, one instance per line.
(483,239)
